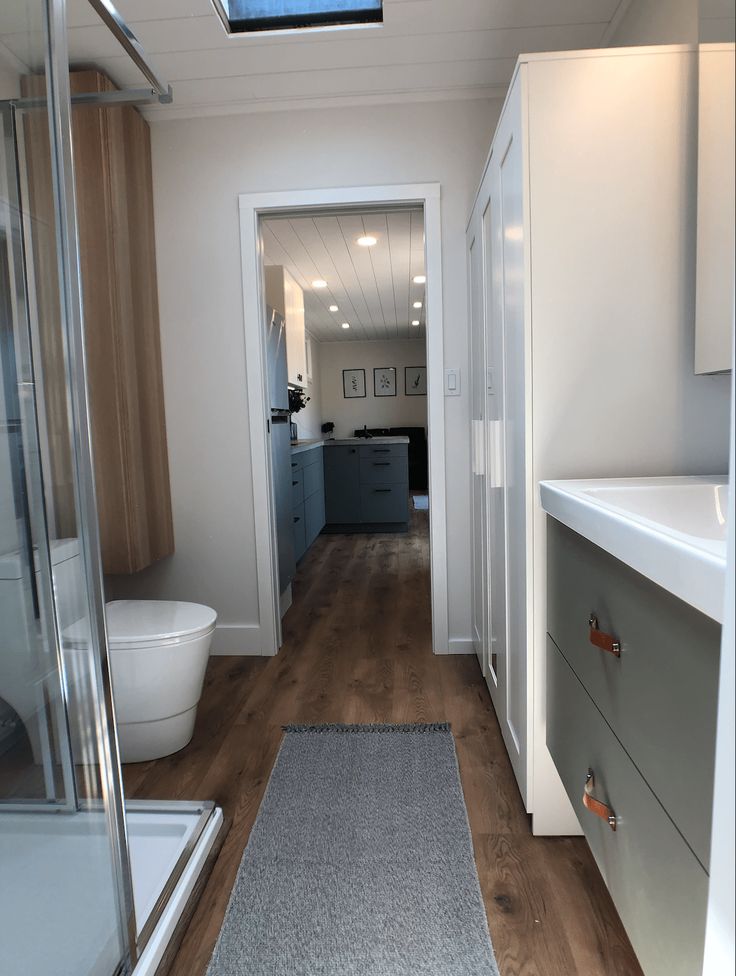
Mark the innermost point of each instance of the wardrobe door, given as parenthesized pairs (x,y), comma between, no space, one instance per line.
(479,591)
(509,342)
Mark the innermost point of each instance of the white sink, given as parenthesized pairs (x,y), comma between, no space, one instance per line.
(672,530)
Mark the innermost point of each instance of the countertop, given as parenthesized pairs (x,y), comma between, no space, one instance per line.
(671,530)
(298,446)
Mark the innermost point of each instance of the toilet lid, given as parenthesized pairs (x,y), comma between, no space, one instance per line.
(140,621)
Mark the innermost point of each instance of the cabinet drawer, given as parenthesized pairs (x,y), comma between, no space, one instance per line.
(660,695)
(314,516)
(300,535)
(297,487)
(657,884)
(384,503)
(314,477)
(389,470)
(382,450)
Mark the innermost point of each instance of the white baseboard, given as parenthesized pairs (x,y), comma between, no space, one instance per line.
(460,645)
(239,640)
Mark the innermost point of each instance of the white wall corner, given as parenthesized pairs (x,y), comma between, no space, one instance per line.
(240,640)
(460,645)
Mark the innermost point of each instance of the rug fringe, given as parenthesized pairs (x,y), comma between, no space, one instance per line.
(415,727)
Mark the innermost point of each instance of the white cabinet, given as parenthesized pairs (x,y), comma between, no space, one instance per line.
(287,297)
(582,305)
(714,287)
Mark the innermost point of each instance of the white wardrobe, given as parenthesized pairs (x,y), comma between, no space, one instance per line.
(581,262)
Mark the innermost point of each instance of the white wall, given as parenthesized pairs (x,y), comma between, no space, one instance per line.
(657,22)
(398,411)
(200,166)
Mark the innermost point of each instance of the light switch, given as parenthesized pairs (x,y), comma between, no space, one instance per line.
(452,382)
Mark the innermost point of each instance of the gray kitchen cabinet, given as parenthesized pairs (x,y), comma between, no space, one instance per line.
(342,484)
(307,482)
(367,487)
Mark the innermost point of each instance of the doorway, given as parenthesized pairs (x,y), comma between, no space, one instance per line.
(367,264)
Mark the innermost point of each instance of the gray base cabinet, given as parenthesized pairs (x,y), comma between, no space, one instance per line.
(307,485)
(366,487)
(632,684)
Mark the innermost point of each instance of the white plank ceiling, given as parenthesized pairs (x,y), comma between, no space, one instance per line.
(372,287)
(424,49)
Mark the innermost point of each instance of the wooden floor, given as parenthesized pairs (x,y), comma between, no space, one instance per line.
(358,649)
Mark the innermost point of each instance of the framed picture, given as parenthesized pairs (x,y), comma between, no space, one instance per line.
(353,383)
(384,381)
(415,380)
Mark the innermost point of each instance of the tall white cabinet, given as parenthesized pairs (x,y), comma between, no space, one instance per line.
(581,257)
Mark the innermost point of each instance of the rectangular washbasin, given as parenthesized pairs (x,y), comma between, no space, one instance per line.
(671,530)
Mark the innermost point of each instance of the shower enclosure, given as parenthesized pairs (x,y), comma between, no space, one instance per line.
(90,884)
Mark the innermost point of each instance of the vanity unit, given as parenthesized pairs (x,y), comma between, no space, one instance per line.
(367,484)
(636,575)
(308,495)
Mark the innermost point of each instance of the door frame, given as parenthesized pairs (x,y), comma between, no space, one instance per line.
(253,207)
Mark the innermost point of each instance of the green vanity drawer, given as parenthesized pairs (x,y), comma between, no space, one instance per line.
(656,882)
(660,695)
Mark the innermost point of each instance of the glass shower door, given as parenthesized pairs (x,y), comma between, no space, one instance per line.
(66,902)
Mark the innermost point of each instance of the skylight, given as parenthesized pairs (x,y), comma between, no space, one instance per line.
(243,16)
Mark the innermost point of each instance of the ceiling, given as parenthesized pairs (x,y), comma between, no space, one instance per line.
(371,286)
(424,49)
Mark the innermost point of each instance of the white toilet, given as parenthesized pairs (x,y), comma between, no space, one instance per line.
(158,656)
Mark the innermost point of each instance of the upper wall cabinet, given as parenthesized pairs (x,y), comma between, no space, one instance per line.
(114,192)
(285,295)
(714,290)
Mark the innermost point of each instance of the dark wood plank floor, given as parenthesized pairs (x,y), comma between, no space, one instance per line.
(358,649)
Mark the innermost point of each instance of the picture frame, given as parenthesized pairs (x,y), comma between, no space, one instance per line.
(415,380)
(384,381)
(353,384)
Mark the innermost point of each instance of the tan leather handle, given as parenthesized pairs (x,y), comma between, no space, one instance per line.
(606,642)
(598,807)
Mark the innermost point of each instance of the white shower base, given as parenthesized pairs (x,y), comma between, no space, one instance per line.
(57,907)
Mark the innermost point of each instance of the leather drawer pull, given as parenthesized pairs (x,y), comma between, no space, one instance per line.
(598,807)
(606,642)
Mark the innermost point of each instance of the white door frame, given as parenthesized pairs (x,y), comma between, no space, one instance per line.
(252,207)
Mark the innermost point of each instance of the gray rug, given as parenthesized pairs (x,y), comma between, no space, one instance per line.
(360,862)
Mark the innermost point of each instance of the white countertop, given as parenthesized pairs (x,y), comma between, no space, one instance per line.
(338,441)
(298,446)
(671,530)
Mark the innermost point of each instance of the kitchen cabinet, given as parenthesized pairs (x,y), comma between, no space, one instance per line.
(577,285)
(308,494)
(114,194)
(367,486)
(641,717)
(286,296)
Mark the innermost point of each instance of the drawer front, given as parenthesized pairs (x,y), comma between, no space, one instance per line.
(300,535)
(368,451)
(314,516)
(384,503)
(314,477)
(342,484)
(659,887)
(660,695)
(297,462)
(297,487)
(384,470)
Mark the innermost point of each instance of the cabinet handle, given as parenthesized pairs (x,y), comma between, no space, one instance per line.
(297,519)
(379,490)
(606,642)
(294,464)
(381,450)
(598,807)
(381,464)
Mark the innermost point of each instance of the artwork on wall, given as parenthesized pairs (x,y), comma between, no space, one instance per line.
(415,380)
(384,381)
(353,383)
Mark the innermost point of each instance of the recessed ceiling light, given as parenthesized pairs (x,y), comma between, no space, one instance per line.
(368,240)
(415,322)
(346,325)
(417,305)
(319,283)
(333,308)
(419,279)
